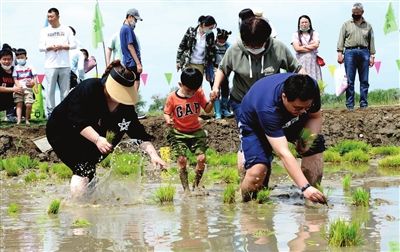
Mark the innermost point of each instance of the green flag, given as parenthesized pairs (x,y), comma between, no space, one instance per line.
(168,76)
(398,64)
(97,34)
(390,24)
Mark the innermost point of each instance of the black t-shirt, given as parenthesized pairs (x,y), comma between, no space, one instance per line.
(86,105)
(6,99)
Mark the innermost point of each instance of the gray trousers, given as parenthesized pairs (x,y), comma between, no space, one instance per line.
(53,76)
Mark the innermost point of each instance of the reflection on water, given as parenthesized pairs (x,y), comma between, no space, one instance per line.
(198,224)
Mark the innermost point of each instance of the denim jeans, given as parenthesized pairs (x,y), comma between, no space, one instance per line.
(357,59)
(235,105)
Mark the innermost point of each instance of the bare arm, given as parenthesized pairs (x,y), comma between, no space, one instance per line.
(219,78)
(280,146)
(101,142)
(132,50)
(151,151)
(108,55)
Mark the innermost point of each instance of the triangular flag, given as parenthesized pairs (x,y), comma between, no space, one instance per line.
(332,69)
(398,64)
(144,78)
(97,76)
(97,34)
(390,24)
(168,76)
(40,78)
(377,65)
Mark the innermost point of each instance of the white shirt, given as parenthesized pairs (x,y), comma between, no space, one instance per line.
(24,74)
(199,49)
(56,36)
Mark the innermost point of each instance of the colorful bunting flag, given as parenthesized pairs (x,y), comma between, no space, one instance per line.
(332,69)
(390,24)
(398,64)
(97,76)
(144,78)
(40,78)
(97,34)
(168,76)
(377,65)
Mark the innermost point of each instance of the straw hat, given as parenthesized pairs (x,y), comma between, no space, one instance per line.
(121,88)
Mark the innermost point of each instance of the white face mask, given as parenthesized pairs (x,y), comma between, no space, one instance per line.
(6,67)
(220,44)
(256,51)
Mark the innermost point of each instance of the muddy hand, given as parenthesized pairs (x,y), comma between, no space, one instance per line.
(315,195)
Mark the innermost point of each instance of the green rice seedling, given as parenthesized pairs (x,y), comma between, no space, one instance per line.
(25,162)
(322,86)
(81,223)
(386,150)
(277,169)
(191,176)
(360,197)
(327,193)
(263,196)
(110,136)
(54,207)
(263,232)
(214,174)
(306,139)
(229,159)
(356,156)
(229,175)
(13,208)
(106,163)
(1,164)
(62,171)
(342,234)
(347,145)
(165,193)
(293,150)
(11,166)
(44,167)
(346,182)
(229,194)
(42,176)
(390,161)
(31,177)
(332,156)
(126,163)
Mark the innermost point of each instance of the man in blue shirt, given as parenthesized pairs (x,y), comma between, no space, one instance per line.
(274,112)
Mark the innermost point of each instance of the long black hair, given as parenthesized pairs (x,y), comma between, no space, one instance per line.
(309,31)
(207,21)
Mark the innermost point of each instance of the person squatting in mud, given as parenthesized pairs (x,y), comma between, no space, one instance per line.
(181,113)
(274,112)
(78,125)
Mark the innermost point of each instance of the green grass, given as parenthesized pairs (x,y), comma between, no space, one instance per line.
(62,171)
(11,167)
(386,150)
(390,161)
(346,182)
(360,197)
(356,156)
(342,234)
(165,193)
(54,207)
(346,145)
(229,194)
(81,223)
(332,156)
(322,86)
(229,159)
(31,177)
(126,163)
(13,208)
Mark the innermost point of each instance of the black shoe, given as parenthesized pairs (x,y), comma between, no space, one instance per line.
(141,116)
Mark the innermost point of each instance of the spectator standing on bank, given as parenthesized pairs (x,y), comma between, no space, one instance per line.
(56,40)
(357,44)
(305,42)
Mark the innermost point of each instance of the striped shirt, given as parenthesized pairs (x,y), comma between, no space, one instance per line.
(353,35)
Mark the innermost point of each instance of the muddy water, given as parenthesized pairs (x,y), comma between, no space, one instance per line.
(196,223)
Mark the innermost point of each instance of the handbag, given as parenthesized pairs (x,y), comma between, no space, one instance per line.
(320,61)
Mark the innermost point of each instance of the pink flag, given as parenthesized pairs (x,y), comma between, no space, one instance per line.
(378,65)
(144,78)
(40,78)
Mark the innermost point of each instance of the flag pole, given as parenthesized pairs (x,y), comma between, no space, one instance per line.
(102,38)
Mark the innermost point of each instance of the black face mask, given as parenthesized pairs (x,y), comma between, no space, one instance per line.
(356,17)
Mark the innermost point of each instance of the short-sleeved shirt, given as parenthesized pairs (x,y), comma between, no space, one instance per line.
(6,99)
(24,74)
(127,36)
(115,45)
(263,112)
(186,111)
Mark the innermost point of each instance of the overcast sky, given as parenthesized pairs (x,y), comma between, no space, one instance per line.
(165,22)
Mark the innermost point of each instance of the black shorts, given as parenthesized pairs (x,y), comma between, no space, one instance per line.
(134,69)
